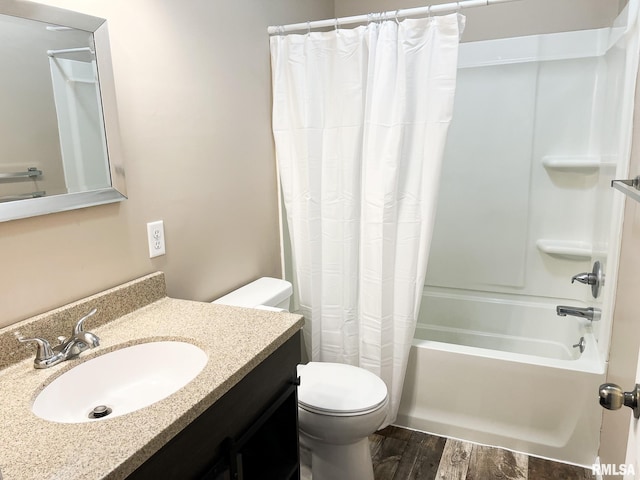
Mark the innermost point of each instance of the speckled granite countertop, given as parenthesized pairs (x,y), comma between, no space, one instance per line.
(235,339)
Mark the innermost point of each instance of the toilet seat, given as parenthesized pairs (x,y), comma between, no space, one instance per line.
(337,389)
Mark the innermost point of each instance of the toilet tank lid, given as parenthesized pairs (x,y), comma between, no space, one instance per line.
(263,291)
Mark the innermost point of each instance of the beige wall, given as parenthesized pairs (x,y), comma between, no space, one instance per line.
(525,17)
(193,86)
(28,135)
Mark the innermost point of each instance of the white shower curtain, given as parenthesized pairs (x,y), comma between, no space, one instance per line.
(360,118)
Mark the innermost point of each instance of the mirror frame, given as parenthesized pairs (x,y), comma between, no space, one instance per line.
(69,201)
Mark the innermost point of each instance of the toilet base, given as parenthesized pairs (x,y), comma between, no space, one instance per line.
(331,462)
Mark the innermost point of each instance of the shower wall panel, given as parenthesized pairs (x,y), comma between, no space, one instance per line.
(517,205)
(480,235)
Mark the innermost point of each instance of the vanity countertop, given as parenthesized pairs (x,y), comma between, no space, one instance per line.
(235,340)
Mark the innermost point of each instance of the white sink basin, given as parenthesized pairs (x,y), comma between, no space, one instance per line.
(124,380)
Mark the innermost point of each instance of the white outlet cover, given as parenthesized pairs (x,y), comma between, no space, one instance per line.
(155,236)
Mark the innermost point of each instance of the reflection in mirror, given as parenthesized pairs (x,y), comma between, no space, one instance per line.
(59,145)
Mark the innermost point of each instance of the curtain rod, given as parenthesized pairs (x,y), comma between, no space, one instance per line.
(338,22)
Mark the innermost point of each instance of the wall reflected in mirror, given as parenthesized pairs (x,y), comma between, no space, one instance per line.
(51,112)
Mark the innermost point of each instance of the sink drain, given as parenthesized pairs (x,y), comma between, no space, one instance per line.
(100,411)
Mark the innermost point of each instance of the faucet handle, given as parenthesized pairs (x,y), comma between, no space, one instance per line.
(44,351)
(595,278)
(79,327)
(587,278)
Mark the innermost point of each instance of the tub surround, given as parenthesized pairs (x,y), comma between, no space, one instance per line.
(235,339)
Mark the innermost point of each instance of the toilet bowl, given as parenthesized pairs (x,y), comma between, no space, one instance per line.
(339,405)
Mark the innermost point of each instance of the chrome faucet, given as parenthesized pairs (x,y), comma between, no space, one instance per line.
(595,278)
(589,313)
(79,341)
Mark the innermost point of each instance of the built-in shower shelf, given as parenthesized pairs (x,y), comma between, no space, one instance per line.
(569,249)
(578,164)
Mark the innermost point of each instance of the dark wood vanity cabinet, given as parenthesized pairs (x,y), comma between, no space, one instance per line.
(250,433)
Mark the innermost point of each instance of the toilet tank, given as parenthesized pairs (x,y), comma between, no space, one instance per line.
(263,292)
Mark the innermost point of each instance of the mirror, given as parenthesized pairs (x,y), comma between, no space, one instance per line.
(59,141)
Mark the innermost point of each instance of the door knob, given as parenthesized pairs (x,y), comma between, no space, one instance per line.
(612,398)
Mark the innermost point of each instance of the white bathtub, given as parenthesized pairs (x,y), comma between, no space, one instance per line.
(504,373)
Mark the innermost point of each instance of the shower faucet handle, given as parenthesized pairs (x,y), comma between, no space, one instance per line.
(587,278)
(595,278)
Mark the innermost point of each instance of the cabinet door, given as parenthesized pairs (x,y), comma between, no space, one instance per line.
(220,471)
(269,450)
(226,475)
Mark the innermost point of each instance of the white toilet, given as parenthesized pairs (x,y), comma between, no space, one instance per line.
(339,405)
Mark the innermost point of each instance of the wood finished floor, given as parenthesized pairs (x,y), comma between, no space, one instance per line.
(401,454)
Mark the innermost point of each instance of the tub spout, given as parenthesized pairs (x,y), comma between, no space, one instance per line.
(590,313)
